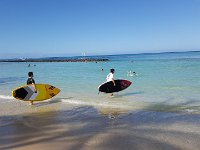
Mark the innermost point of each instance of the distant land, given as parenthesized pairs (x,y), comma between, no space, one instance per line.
(56,59)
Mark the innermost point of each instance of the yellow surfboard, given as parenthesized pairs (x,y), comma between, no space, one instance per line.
(27,92)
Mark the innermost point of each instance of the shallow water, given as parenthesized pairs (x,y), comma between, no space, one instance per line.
(164,82)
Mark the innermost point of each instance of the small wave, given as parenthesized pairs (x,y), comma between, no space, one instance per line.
(10,79)
(191,110)
(94,103)
(80,102)
(77,102)
(6,97)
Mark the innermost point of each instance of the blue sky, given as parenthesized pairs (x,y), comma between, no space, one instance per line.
(35,28)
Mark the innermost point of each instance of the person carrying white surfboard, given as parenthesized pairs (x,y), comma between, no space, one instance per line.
(110,77)
(31,81)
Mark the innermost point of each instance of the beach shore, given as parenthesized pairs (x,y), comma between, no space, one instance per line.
(54,125)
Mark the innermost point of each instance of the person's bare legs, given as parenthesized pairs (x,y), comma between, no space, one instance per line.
(31,102)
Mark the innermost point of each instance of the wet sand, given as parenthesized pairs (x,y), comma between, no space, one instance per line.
(54,125)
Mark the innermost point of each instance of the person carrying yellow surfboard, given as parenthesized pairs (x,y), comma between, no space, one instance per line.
(31,81)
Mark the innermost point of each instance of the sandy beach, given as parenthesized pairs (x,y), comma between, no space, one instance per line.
(52,125)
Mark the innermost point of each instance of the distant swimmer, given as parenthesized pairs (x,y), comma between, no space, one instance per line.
(110,77)
(31,81)
(131,74)
(102,70)
(29,65)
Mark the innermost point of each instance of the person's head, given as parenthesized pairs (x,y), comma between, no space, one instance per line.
(30,74)
(112,70)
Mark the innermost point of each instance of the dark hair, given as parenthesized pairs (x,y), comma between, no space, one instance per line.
(30,74)
(112,70)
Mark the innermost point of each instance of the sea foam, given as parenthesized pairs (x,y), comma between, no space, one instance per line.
(6,97)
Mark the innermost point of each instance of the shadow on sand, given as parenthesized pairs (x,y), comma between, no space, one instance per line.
(88,128)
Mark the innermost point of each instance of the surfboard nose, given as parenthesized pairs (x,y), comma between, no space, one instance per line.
(128,83)
(56,90)
(52,91)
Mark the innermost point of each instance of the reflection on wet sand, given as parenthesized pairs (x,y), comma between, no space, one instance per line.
(111,112)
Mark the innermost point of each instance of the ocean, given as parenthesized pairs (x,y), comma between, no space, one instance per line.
(163,81)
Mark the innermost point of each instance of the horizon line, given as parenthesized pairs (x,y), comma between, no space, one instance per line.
(148,53)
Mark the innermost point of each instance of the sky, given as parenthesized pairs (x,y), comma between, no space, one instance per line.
(38,28)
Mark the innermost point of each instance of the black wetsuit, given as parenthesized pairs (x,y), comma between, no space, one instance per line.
(30,81)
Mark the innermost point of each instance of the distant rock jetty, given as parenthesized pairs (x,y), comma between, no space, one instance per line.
(58,60)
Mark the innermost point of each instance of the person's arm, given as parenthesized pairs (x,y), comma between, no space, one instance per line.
(33,83)
(113,82)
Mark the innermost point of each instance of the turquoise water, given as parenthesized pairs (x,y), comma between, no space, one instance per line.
(164,82)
